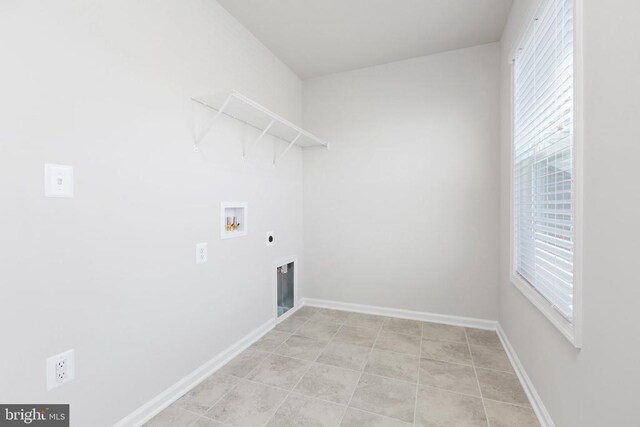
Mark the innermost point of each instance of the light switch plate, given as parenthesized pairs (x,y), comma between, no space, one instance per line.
(58,180)
(202,253)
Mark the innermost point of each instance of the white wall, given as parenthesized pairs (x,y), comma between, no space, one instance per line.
(595,386)
(104,86)
(401,212)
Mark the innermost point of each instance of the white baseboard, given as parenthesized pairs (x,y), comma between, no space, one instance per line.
(173,393)
(534,398)
(404,314)
(538,406)
(167,397)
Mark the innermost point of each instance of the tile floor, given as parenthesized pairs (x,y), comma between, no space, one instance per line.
(325,367)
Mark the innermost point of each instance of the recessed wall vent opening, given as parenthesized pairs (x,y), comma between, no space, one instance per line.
(286,286)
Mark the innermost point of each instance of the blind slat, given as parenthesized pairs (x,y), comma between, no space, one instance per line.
(543,155)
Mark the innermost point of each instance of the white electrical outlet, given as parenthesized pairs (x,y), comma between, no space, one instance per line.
(202,253)
(58,180)
(271,238)
(60,369)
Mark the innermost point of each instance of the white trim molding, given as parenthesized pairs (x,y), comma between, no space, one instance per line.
(534,398)
(404,314)
(153,407)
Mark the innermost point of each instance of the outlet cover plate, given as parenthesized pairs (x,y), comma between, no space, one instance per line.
(60,369)
(202,253)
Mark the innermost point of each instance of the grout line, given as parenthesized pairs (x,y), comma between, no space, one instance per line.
(301,377)
(343,324)
(400,333)
(443,340)
(413,356)
(415,403)
(486,414)
(346,406)
(510,404)
(202,417)
(497,370)
(361,373)
(242,378)
(475,396)
(220,399)
(379,376)
(472,365)
(306,320)
(209,407)
(341,367)
(189,411)
(395,420)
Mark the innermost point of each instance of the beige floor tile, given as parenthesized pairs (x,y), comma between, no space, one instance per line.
(357,418)
(449,376)
(506,415)
(364,321)
(318,330)
(408,344)
(172,416)
(501,386)
(490,357)
(244,363)
(291,324)
(330,316)
(437,407)
(446,351)
(358,336)
(483,337)
(393,365)
(385,396)
(402,326)
(301,347)
(206,422)
(306,312)
(204,395)
(328,383)
(279,371)
(344,355)
(299,411)
(248,404)
(440,332)
(271,341)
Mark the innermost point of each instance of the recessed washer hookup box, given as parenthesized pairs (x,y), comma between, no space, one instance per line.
(34,415)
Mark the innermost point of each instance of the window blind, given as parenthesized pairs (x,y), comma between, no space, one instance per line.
(543,155)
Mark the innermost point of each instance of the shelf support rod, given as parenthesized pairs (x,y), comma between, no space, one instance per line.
(291,144)
(213,121)
(245,152)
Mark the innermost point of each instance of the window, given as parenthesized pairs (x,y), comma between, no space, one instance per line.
(543,158)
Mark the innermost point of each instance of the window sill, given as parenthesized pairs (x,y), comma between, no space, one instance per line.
(566,328)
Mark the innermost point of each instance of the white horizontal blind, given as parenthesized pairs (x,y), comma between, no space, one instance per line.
(543,155)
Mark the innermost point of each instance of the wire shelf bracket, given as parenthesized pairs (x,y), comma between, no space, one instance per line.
(243,109)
